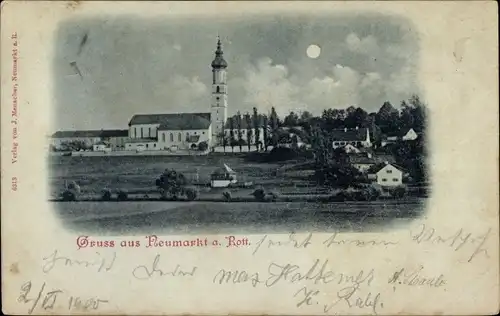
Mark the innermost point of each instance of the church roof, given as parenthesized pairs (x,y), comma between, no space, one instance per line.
(174,121)
(91,133)
(219,61)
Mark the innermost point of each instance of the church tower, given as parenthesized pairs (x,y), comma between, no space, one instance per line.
(219,94)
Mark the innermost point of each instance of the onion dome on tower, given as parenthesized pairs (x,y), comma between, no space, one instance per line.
(219,62)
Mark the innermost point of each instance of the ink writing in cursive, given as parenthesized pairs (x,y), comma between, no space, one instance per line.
(291,241)
(459,240)
(318,273)
(143,272)
(100,262)
(416,278)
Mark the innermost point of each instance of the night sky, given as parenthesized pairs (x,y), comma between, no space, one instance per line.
(107,69)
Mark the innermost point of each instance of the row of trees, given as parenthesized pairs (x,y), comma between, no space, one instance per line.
(387,120)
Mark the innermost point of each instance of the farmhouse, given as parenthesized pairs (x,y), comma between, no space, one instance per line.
(387,174)
(405,134)
(87,138)
(358,137)
(364,161)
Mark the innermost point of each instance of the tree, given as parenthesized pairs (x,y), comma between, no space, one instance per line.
(387,118)
(356,118)
(266,136)
(203,146)
(232,140)
(305,116)
(171,183)
(256,127)
(239,127)
(274,126)
(248,123)
(291,119)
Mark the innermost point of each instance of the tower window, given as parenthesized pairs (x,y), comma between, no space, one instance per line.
(218,89)
(179,137)
(217,98)
(171,137)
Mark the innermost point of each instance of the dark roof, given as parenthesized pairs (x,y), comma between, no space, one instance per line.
(362,158)
(174,121)
(91,133)
(376,168)
(402,132)
(349,135)
(115,133)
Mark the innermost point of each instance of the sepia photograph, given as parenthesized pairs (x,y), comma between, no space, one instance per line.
(295,122)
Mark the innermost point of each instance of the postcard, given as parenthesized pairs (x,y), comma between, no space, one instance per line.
(249,158)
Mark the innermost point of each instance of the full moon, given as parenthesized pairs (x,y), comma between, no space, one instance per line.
(313,51)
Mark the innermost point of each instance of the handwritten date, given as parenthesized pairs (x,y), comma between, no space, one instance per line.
(55,298)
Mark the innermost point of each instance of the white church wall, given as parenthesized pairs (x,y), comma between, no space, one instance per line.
(178,138)
(143,130)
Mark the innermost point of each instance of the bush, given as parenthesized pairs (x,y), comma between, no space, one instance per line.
(122,195)
(170,183)
(74,187)
(399,192)
(226,195)
(202,146)
(191,193)
(259,195)
(68,195)
(106,195)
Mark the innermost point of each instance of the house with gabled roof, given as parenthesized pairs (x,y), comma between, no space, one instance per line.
(405,134)
(358,137)
(387,174)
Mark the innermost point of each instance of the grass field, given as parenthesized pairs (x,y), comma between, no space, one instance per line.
(139,173)
(211,217)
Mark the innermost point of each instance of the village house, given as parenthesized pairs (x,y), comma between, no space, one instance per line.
(405,134)
(88,138)
(358,137)
(366,160)
(386,174)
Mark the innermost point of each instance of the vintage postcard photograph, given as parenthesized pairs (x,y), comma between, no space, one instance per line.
(248,158)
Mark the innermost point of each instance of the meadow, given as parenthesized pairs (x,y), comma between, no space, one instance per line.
(137,174)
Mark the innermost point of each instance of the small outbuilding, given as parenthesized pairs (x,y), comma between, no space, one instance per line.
(222,177)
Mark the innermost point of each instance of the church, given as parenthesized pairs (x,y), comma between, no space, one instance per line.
(184,130)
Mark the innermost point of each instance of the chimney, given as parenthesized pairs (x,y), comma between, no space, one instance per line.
(345,129)
(357,127)
(386,162)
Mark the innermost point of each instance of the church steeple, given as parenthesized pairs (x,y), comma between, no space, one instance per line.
(219,62)
(219,94)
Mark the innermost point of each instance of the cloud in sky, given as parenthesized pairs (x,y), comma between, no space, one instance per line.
(144,66)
